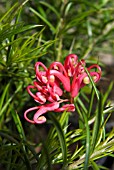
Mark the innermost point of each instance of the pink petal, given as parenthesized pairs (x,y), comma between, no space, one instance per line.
(67,107)
(64,79)
(80,68)
(28,90)
(38,85)
(95,66)
(69,60)
(54,85)
(76,84)
(58,70)
(59,67)
(38,118)
(29,110)
(70,64)
(57,90)
(54,89)
(39,97)
(96,76)
(41,75)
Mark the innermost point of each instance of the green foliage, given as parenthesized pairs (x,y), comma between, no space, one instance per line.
(32,31)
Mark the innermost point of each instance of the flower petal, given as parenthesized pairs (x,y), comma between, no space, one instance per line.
(58,70)
(65,80)
(70,64)
(28,90)
(76,84)
(67,107)
(41,75)
(96,76)
(29,110)
(95,66)
(38,97)
(80,68)
(41,98)
(38,118)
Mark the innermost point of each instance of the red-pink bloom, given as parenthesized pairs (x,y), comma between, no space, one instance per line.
(47,91)
(41,75)
(54,106)
(70,64)
(78,73)
(58,71)
(52,85)
(81,80)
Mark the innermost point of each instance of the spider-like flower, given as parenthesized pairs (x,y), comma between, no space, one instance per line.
(76,71)
(54,83)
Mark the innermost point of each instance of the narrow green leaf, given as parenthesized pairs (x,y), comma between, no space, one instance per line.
(9,100)
(61,137)
(97,124)
(32,150)
(93,84)
(105,96)
(44,19)
(94,166)
(79,18)
(102,167)
(76,153)
(23,154)
(3,96)
(87,154)
(44,160)
(18,124)
(8,136)
(91,102)
(64,120)
(8,12)
(85,97)
(50,7)
(28,27)
(15,29)
(108,109)
(8,44)
(82,105)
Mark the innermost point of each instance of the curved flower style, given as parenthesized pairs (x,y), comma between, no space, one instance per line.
(58,70)
(70,64)
(54,106)
(81,78)
(52,85)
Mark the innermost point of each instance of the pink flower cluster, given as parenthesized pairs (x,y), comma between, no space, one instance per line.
(59,84)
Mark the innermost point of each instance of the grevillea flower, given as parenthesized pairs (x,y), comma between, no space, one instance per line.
(76,70)
(54,83)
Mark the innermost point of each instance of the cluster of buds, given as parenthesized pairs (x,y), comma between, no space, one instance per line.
(56,87)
